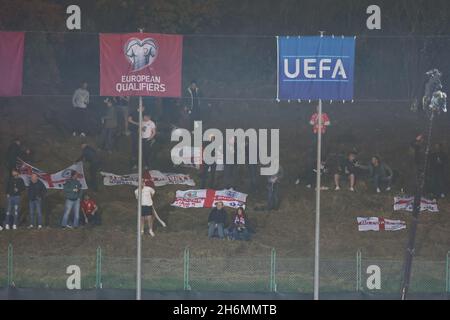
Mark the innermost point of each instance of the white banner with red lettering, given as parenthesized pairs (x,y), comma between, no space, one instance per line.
(152,178)
(379,224)
(406,203)
(207,198)
(52,180)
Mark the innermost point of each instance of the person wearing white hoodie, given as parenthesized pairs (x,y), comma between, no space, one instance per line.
(80,101)
(147,207)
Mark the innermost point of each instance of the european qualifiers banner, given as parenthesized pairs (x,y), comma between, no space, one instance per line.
(140,64)
(313,68)
(11,63)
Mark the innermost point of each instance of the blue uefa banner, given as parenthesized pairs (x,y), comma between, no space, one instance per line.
(315,68)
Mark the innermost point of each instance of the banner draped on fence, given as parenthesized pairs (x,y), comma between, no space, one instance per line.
(153,177)
(52,180)
(11,63)
(379,224)
(207,198)
(406,203)
(315,68)
(140,64)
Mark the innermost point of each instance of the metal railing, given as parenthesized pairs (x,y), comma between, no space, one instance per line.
(270,273)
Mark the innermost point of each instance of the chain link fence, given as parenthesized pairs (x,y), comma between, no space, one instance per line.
(191,272)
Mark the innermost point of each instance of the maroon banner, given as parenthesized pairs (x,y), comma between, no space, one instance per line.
(140,64)
(11,63)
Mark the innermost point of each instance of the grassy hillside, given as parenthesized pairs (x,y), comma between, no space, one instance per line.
(371,128)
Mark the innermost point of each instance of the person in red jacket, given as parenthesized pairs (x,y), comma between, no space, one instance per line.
(91,214)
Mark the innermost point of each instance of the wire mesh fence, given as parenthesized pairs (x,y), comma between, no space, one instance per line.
(191,272)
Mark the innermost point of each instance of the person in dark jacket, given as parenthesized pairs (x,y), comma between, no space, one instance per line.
(379,173)
(89,155)
(346,168)
(273,189)
(14,188)
(109,121)
(418,146)
(208,168)
(216,220)
(36,194)
(193,102)
(12,154)
(73,193)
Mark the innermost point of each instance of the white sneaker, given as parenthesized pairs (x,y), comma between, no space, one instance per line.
(14,227)
(82,134)
(7,227)
(378,190)
(297,181)
(30,226)
(388,189)
(308,186)
(150,232)
(352,189)
(74,134)
(1,228)
(39,227)
(337,189)
(442,195)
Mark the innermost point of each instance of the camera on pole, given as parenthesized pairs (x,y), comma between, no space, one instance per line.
(434,99)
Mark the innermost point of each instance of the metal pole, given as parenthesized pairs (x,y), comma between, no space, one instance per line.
(317,233)
(138,260)
(410,250)
(139,255)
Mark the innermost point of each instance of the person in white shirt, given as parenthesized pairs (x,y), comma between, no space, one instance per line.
(147,207)
(148,135)
(80,101)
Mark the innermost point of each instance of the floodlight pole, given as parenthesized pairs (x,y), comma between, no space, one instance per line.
(317,231)
(139,251)
(420,182)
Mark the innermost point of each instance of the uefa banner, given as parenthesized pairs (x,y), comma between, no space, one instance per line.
(315,68)
(11,63)
(140,64)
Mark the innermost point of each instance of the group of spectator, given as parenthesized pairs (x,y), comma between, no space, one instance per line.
(239,228)
(379,173)
(36,191)
(118,117)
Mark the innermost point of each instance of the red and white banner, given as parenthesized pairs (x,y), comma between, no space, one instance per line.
(406,203)
(52,180)
(207,198)
(152,178)
(379,224)
(140,64)
(11,63)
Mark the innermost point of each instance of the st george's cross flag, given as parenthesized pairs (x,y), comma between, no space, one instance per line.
(207,198)
(379,224)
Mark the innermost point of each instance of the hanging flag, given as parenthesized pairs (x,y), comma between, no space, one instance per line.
(153,178)
(379,224)
(140,64)
(207,198)
(54,180)
(407,203)
(315,68)
(11,63)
